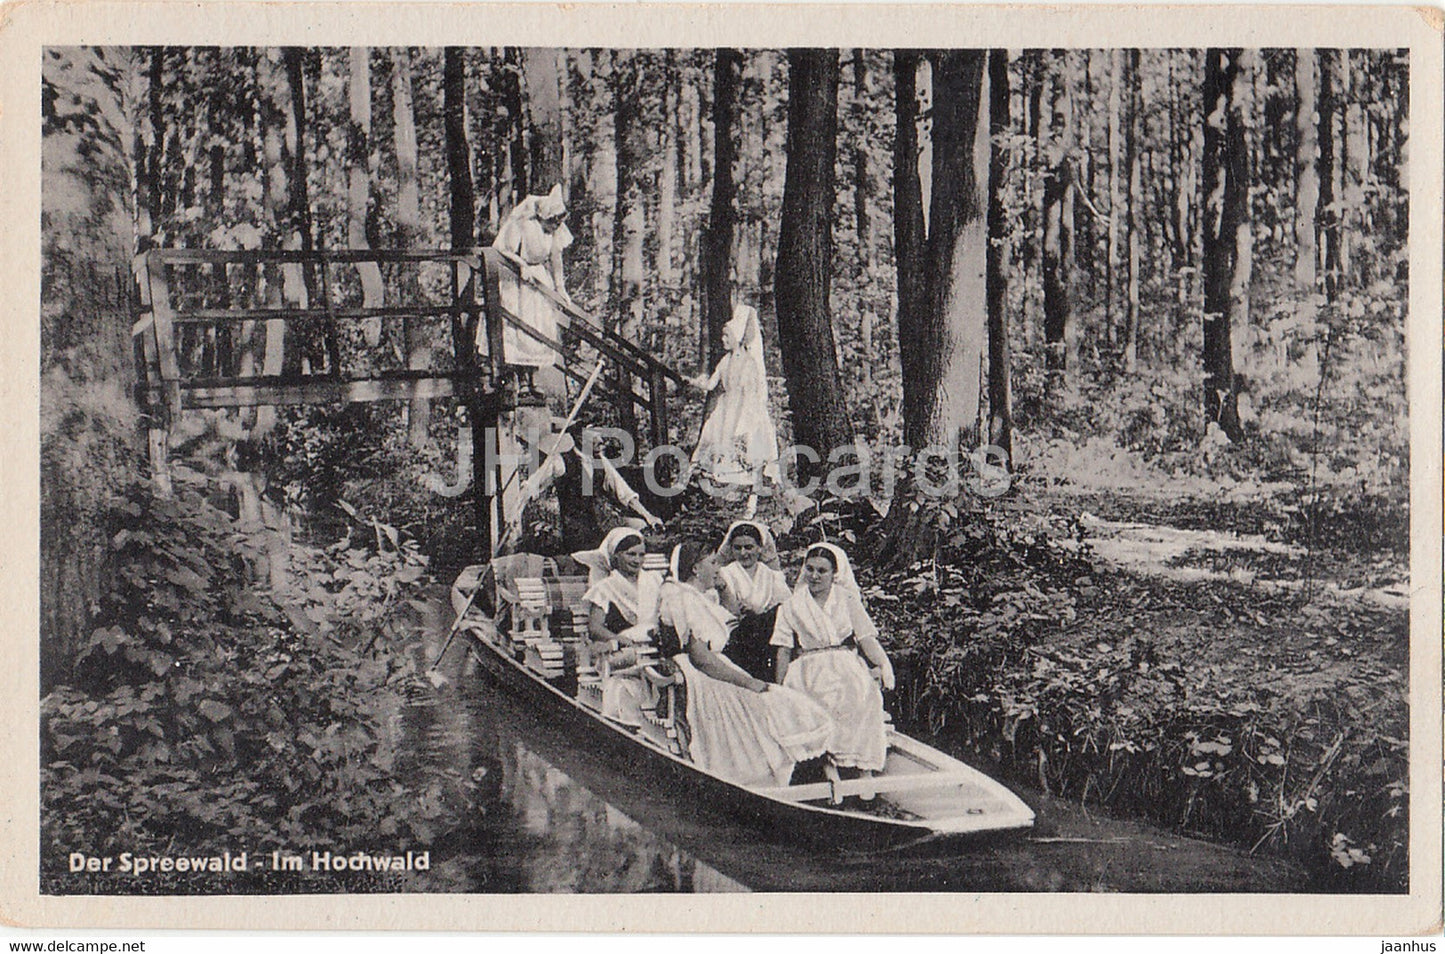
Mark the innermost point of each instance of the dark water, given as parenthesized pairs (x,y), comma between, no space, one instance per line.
(542,815)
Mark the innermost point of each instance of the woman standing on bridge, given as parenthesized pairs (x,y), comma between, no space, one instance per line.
(534,235)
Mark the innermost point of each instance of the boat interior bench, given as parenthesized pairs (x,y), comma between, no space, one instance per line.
(542,621)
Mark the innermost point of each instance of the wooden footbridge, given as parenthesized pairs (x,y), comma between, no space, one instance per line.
(237,329)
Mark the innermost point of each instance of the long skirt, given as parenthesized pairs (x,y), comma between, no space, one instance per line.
(535,311)
(748,644)
(841,682)
(751,738)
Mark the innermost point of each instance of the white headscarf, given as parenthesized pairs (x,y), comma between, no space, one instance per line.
(636,601)
(599,561)
(840,613)
(843,577)
(769,546)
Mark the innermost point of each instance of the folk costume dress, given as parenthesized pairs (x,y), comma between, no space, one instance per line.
(826,665)
(631,609)
(738,443)
(747,737)
(523,236)
(759,593)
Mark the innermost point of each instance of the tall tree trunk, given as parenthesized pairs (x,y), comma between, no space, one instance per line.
(1116,183)
(862,178)
(320,348)
(409,234)
(87,435)
(1328,222)
(667,173)
(543,119)
(358,193)
(805,257)
(1221,217)
(943,341)
(1056,254)
(629,217)
(1000,412)
(1240,178)
(285,285)
(717,238)
(516,127)
(1135,207)
(909,236)
(459,157)
(956,297)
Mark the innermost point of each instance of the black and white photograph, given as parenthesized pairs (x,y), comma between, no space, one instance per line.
(858,468)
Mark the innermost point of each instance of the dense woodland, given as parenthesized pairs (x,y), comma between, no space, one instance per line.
(1165,282)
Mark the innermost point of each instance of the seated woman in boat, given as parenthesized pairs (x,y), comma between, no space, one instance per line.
(622,614)
(741,728)
(820,631)
(751,587)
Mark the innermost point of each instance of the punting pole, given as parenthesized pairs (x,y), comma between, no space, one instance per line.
(436,678)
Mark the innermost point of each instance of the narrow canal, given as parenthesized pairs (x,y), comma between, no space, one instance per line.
(544,815)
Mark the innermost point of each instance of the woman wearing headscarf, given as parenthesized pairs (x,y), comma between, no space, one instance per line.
(741,728)
(821,630)
(534,234)
(738,443)
(622,614)
(751,586)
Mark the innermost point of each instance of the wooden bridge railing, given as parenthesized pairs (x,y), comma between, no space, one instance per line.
(249,328)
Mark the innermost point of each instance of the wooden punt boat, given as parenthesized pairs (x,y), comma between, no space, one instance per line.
(922,796)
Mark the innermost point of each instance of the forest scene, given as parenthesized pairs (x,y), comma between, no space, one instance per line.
(1155,297)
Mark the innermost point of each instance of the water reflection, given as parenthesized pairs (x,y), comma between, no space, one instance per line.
(540,814)
(527,825)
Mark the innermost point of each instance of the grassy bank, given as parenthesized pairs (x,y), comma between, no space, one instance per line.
(1208,706)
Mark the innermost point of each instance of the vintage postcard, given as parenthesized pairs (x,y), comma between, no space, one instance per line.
(887,468)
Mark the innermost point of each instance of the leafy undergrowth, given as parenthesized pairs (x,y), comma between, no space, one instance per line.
(1209,708)
(210,714)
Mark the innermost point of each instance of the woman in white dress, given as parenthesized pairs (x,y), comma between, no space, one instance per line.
(738,444)
(741,728)
(751,586)
(622,614)
(534,234)
(820,631)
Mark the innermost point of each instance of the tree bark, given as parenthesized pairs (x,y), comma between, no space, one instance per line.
(358,193)
(1000,413)
(909,236)
(717,238)
(1328,222)
(1000,401)
(667,173)
(957,303)
(629,218)
(409,234)
(1135,212)
(805,256)
(459,157)
(515,125)
(88,447)
(1056,253)
(543,119)
(1116,182)
(1221,217)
